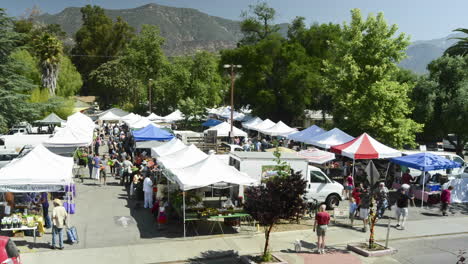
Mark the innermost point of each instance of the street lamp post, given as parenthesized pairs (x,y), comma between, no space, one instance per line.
(149,95)
(232,66)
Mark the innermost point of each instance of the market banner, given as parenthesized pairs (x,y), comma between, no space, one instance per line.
(21,188)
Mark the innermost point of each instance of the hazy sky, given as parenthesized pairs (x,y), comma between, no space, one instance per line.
(421,19)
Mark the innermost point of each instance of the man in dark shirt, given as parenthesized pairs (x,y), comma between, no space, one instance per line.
(407,178)
(402,208)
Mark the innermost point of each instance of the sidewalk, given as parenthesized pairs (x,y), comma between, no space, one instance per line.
(173,250)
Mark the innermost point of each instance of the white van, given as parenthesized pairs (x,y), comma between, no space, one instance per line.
(259,165)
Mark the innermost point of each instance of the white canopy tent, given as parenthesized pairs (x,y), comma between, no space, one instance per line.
(77,133)
(174,117)
(280,129)
(330,138)
(115,111)
(183,158)
(209,171)
(39,171)
(170,147)
(224,130)
(140,123)
(129,118)
(265,124)
(252,122)
(154,117)
(110,116)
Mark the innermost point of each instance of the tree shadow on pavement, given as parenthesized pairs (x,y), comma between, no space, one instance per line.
(219,256)
(309,248)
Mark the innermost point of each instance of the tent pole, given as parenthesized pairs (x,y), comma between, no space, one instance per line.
(423,192)
(386,173)
(183,194)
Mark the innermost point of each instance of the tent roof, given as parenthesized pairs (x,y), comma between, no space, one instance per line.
(39,170)
(174,116)
(252,122)
(170,147)
(316,156)
(51,119)
(183,158)
(224,129)
(306,134)
(281,149)
(426,162)
(280,129)
(151,132)
(209,171)
(115,111)
(78,132)
(365,147)
(329,138)
(265,124)
(140,123)
(110,116)
(211,122)
(154,117)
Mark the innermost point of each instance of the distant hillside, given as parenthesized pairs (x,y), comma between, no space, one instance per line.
(186,30)
(421,53)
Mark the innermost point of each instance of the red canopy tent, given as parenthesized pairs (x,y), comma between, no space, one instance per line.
(365,147)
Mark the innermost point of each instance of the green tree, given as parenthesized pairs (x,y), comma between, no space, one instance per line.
(69,79)
(14,87)
(98,40)
(442,99)
(145,58)
(49,51)
(367,97)
(115,83)
(28,65)
(461,47)
(257,23)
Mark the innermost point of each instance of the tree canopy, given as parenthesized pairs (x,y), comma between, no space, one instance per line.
(367,97)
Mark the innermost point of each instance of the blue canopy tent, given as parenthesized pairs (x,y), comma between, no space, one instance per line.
(211,123)
(425,162)
(307,133)
(152,132)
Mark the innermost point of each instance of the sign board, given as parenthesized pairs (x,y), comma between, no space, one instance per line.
(341,213)
(211,137)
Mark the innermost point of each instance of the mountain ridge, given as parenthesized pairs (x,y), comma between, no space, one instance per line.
(188,30)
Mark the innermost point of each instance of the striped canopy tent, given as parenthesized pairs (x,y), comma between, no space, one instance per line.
(365,147)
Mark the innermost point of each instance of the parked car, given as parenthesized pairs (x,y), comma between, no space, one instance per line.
(464,174)
(6,156)
(449,146)
(9,253)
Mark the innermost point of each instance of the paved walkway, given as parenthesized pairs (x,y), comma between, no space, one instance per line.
(179,249)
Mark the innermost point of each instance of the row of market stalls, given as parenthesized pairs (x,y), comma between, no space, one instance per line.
(136,121)
(190,168)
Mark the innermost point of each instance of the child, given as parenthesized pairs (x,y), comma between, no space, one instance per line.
(162,217)
(352,209)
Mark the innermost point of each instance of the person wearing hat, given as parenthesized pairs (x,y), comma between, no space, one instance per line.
(382,199)
(59,218)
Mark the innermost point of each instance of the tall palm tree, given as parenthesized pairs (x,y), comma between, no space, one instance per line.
(461,47)
(49,49)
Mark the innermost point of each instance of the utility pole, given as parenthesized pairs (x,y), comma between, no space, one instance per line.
(233,77)
(149,95)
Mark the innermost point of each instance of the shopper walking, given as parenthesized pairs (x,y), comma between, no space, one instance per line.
(402,208)
(148,190)
(445,198)
(96,167)
(382,199)
(322,219)
(364,207)
(59,218)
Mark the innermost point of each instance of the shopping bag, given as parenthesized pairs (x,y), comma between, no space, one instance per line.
(70,207)
(72,235)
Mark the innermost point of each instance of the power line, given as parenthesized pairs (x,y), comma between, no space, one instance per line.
(99,56)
